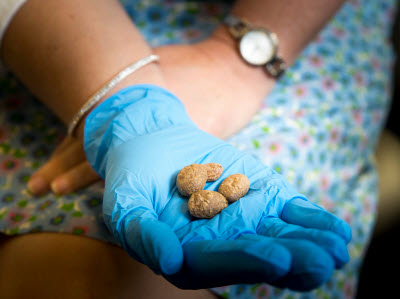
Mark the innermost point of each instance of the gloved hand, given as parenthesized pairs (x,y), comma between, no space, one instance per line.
(139,139)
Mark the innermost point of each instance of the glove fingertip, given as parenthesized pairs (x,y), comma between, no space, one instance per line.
(311,267)
(345,231)
(171,260)
(304,213)
(165,249)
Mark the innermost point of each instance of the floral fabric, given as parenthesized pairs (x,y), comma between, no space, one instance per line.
(318,127)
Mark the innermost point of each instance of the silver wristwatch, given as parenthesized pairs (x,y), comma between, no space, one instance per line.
(257,46)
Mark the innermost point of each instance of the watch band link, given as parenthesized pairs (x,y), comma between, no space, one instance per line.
(237,27)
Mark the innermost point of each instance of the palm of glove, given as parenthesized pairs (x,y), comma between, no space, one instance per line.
(139,140)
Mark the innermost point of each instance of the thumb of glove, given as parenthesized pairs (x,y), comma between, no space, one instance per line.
(132,218)
(153,243)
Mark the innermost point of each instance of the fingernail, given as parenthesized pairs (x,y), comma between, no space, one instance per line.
(59,186)
(37,185)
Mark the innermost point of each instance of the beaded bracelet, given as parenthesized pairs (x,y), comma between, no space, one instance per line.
(106,88)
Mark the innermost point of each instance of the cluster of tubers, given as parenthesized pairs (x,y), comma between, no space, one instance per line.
(204,203)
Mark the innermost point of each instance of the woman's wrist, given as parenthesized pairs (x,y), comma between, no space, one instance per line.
(223,47)
(220,91)
(107,88)
(148,74)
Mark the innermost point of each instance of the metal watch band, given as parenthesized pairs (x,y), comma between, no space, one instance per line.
(239,27)
(276,67)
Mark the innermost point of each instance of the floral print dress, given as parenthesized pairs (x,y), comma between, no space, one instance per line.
(318,127)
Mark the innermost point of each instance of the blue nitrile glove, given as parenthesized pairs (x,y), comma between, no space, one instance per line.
(139,139)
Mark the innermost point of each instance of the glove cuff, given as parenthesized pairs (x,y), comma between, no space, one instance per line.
(133,111)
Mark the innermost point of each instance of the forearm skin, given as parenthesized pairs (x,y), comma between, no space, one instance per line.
(65,51)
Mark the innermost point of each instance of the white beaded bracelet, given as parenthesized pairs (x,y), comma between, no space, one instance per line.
(106,88)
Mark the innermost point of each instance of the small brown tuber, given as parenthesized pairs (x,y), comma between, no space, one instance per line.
(234,187)
(214,171)
(193,177)
(206,204)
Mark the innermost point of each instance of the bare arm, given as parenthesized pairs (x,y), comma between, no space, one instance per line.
(64,51)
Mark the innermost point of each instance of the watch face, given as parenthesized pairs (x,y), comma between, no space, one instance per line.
(256,47)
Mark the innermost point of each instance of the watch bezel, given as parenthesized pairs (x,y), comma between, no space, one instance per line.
(271,37)
(238,27)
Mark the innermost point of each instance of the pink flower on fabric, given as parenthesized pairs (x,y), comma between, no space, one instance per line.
(328,84)
(10,165)
(375,63)
(299,113)
(349,290)
(364,141)
(316,60)
(346,175)
(17,217)
(339,32)
(82,225)
(357,116)
(262,292)
(367,205)
(348,217)
(80,230)
(327,203)
(300,91)
(45,205)
(192,33)
(274,148)
(325,183)
(359,78)
(334,135)
(304,139)
(224,288)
